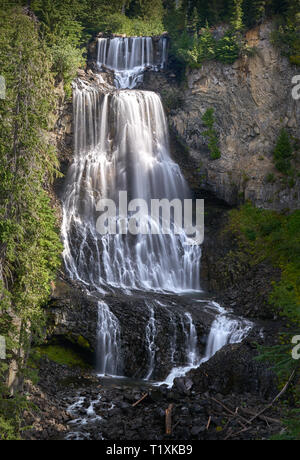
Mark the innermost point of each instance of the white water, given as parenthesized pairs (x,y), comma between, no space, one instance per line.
(191,352)
(191,341)
(85,416)
(122,143)
(130,57)
(150,340)
(108,343)
(224,330)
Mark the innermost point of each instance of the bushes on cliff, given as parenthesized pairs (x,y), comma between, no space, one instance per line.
(120,24)
(287,33)
(62,32)
(192,51)
(267,235)
(211,134)
(283,152)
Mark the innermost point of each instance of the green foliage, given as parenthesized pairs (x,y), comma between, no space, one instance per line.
(283,152)
(66,61)
(211,134)
(236,20)
(58,354)
(270,178)
(62,32)
(192,51)
(29,237)
(195,14)
(120,24)
(287,33)
(135,18)
(277,239)
(254,11)
(292,427)
(11,413)
(228,49)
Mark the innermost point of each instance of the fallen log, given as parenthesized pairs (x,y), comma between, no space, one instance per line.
(169,419)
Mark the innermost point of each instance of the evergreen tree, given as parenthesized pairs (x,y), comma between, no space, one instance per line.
(254,11)
(236,19)
(29,238)
(283,152)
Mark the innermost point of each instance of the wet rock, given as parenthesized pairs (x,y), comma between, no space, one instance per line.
(234,370)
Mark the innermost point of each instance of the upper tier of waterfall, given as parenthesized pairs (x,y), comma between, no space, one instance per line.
(129,57)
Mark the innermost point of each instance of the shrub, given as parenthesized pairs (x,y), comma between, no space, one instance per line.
(227,49)
(270,178)
(66,60)
(211,134)
(283,152)
(120,24)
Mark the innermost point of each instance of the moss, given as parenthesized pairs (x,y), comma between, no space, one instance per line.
(83,343)
(58,354)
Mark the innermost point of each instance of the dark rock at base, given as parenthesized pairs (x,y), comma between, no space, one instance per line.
(235,370)
(73,316)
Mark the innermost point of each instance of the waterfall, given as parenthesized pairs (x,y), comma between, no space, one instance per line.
(225,330)
(150,339)
(108,344)
(173,341)
(191,342)
(192,358)
(130,57)
(122,143)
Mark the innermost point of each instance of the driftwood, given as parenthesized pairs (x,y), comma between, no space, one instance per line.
(275,399)
(169,419)
(264,418)
(140,400)
(208,423)
(234,414)
(260,413)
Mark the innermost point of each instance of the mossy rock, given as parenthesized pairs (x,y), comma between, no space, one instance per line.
(83,343)
(60,355)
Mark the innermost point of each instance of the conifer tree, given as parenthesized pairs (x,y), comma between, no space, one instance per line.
(236,19)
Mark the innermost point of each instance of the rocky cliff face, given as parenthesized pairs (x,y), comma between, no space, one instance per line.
(252,100)
(72,317)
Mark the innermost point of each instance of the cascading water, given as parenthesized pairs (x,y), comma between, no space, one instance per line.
(121,143)
(192,341)
(108,330)
(224,330)
(150,339)
(129,57)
